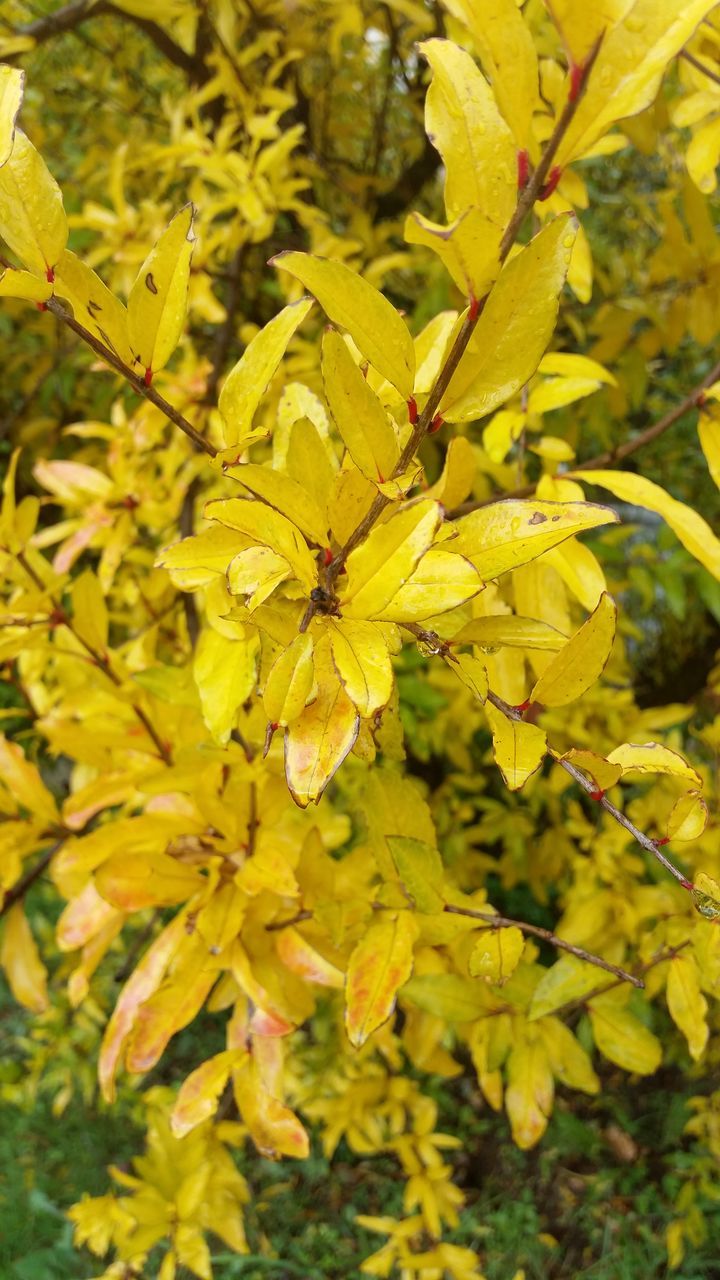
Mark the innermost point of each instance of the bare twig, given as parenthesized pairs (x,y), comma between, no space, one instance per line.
(700,66)
(18,891)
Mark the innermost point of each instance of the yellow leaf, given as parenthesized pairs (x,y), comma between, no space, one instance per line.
(623,1038)
(12,82)
(580,571)
(463,122)
(581,661)
(652,757)
(291,682)
(274,1128)
(689,817)
(378,966)
(687,1004)
(196,560)
(378,568)
(224,672)
(496,955)
(515,326)
(709,435)
(567,979)
(200,1091)
(504,535)
(268,528)
(158,298)
(469,248)
(448,996)
(24,970)
(629,68)
(90,615)
(519,748)
(366,430)
(350,302)
(458,474)
(255,573)
(302,959)
(603,773)
(580,25)
(220,920)
(318,740)
(529,1093)
(93,305)
(132,881)
(506,629)
(471,672)
(32,217)
(706,896)
(362,661)
(568,1060)
(503,41)
(23,781)
(248,381)
(440,582)
(24,285)
(419,867)
(694,532)
(170,1009)
(285,495)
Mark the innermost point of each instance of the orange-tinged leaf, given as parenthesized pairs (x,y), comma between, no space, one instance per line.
(166,1012)
(274,1128)
(379,965)
(301,958)
(519,748)
(318,740)
(687,1005)
(23,781)
(24,970)
(83,917)
(200,1091)
(133,881)
(581,660)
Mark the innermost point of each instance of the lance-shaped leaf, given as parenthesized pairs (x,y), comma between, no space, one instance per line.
(688,525)
(509,630)
(317,742)
(504,535)
(519,748)
(567,979)
(420,869)
(133,881)
(379,965)
(200,1091)
(476,145)
(12,81)
(224,672)
(686,1003)
(709,437)
(274,1128)
(173,1007)
(286,496)
(362,661)
(376,328)
(158,298)
(23,781)
(529,1093)
(19,957)
(568,1060)
(627,73)
(652,757)
(32,217)
(503,40)
(379,567)
(301,958)
(248,381)
(440,582)
(496,954)
(268,528)
(515,327)
(580,25)
(93,305)
(689,817)
(457,476)
(291,682)
(581,661)
(469,248)
(25,286)
(366,430)
(623,1038)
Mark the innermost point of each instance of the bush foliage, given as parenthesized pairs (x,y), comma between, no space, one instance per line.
(359,589)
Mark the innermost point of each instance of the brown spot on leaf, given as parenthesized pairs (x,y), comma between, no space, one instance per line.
(93,307)
(537,518)
(150,283)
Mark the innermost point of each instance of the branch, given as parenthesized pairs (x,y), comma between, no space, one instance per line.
(503,922)
(18,891)
(700,66)
(67,19)
(581,1001)
(171,413)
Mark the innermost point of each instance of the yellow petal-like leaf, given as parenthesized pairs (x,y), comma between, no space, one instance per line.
(688,1006)
(469,248)
(24,285)
(519,748)
(529,1094)
(504,535)
(19,958)
(471,672)
(379,965)
(291,682)
(515,326)
(286,496)
(365,428)
(133,881)
(379,567)
(255,573)
(93,305)
(350,302)
(317,742)
(689,817)
(503,41)
(652,757)
(158,298)
(508,630)
(32,217)
(567,979)
(274,1128)
(496,954)
(267,528)
(580,25)
(709,436)
(224,672)
(441,581)
(694,532)
(362,661)
(248,381)
(568,1060)
(581,661)
(12,81)
(623,1038)
(301,958)
(200,1091)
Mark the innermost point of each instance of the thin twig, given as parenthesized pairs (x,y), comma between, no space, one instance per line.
(700,66)
(18,891)
(581,1002)
(504,922)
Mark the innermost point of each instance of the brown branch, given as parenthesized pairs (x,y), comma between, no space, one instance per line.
(70,17)
(18,891)
(186,529)
(581,1001)
(504,922)
(700,66)
(171,413)
(287,924)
